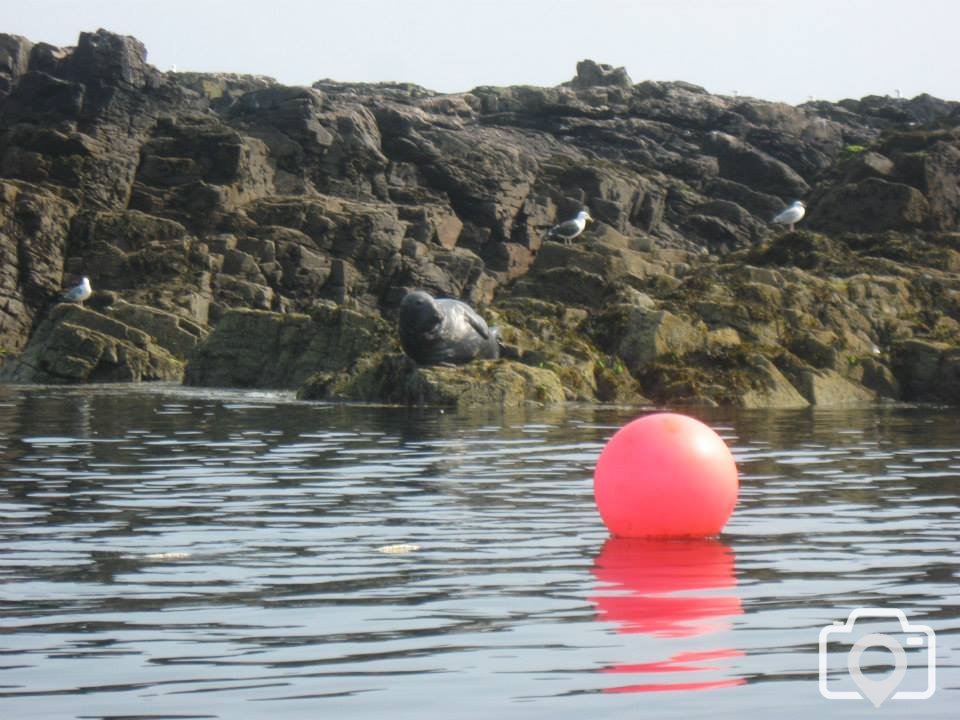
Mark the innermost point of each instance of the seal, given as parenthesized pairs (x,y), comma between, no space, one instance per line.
(437,331)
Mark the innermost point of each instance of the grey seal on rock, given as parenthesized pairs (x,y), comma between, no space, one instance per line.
(437,331)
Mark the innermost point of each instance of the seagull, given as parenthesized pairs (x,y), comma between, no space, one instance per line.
(570,229)
(791,215)
(78,293)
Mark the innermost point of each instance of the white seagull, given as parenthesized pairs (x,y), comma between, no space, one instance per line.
(567,231)
(791,215)
(78,293)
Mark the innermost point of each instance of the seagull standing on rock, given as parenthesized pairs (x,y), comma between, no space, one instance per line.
(791,215)
(78,293)
(567,231)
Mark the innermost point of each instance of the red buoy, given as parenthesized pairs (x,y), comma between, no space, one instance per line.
(665,475)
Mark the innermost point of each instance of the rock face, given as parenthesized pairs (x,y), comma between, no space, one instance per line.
(396,379)
(265,234)
(254,348)
(75,344)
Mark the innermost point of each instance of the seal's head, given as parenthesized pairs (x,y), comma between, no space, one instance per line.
(419,313)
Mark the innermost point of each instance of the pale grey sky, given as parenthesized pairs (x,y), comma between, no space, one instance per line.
(772,49)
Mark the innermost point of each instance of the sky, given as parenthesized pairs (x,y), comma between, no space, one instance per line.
(781,50)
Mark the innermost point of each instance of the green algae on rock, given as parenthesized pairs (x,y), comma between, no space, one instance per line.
(395,379)
(76,344)
(257,348)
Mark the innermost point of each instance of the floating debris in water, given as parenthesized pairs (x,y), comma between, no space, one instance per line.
(398,549)
(167,556)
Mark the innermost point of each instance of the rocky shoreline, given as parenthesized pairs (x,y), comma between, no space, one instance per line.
(241,233)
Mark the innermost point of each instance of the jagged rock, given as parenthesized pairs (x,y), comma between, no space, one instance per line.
(876,376)
(827,388)
(817,347)
(103,57)
(866,165)
(933,170)
(726,224)
(251,348)
(585,272)
(222,90)
(432,223)
(79,345)
(175,334)
(928,370)
(871,205)
(640,335)
(590,73)
(367,237)
(770,388)
(397,380)
(652,334)
(34,227)
(802,249)
(742,163)
(14,60)
(185,196)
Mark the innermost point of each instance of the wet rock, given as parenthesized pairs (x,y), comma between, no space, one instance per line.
(251,348)
(187,196)
(653,334)
(817,347)
(175,334)
(395,379)
(827,388)
(78,345)
(770,388)
(877,377)
(928,370)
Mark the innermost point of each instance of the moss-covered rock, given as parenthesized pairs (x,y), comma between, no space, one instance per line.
(652,334)
(770,388)
(827,388)
(395,379)
(77,345)
(255,348)
(175,334)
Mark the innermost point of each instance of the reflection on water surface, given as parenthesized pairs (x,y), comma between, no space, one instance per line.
(169,553)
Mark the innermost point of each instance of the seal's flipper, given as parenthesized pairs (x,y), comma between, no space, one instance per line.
(477,322)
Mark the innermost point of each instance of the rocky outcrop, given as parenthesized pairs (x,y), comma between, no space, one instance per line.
(34,227)
(928,370)
(265,234)
(75,344)
(254,348)
(395,379)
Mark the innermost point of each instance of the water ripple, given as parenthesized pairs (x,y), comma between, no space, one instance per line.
(178,554)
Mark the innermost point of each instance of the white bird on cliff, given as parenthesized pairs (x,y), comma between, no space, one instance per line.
(791,215)
(568,230)
(78,293)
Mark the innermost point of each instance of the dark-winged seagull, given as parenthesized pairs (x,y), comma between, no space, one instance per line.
(78,293)
(791,215)
(567,231)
